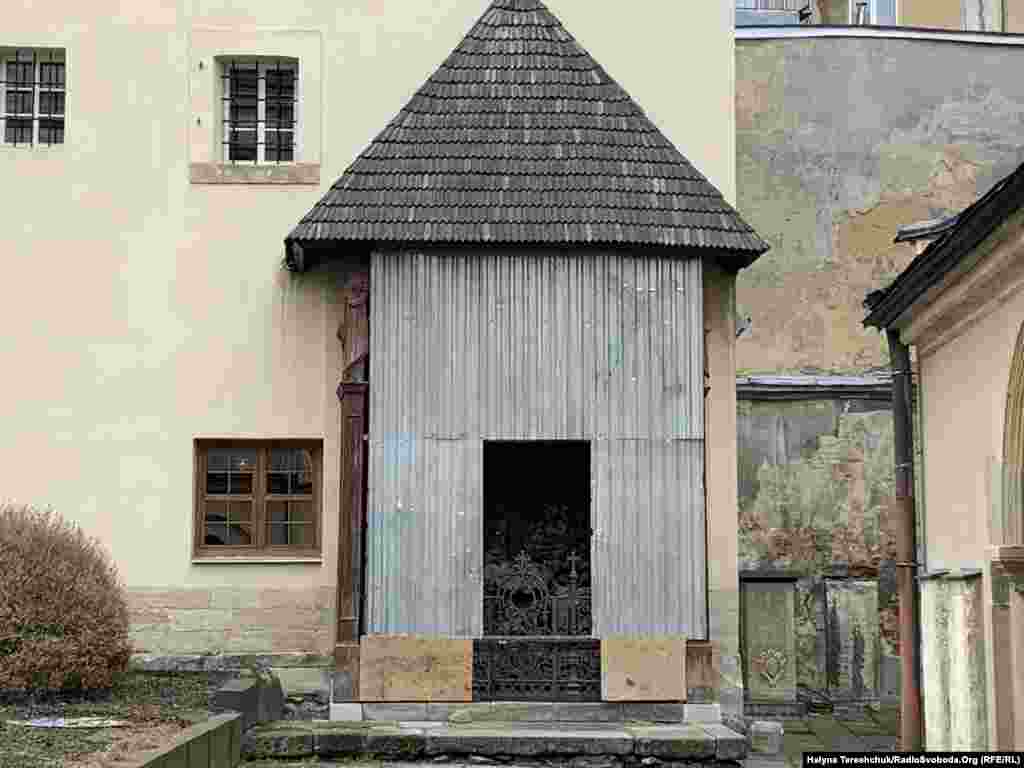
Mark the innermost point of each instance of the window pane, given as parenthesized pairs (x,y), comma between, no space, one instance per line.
(240,512)
(51,131)
(216,534)
(242,146)
(240,483)
(280,114)
(51,102)
(240,534)
(290,523)
(300,511)
(280,84)
(52,74)
(295,464)
(19,102)
(234,459)
(18,131)
(279,146)
(216,482)
(277,482)
(277,511)
(244,96)
(19,73)
(290,534)
(216,512)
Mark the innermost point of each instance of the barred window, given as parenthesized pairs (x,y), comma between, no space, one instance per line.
(260,110)
(32,92)
(258,497)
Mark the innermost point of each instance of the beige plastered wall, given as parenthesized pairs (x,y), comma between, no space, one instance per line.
(1013,15)
(144,311)
(965,350)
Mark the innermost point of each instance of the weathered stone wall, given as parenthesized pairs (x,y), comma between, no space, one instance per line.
(839,143)
(815,486)
(231,620)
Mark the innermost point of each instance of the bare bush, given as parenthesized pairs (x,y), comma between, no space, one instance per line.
(63,615)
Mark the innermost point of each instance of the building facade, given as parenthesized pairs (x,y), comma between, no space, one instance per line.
(179,396)
(960,305)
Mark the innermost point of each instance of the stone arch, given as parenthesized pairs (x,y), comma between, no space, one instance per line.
(1013,447)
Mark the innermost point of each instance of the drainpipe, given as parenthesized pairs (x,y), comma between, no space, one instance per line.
(906,546)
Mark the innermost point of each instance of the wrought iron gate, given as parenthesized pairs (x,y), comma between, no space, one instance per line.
(538,645)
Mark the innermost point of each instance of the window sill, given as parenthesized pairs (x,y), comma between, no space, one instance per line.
(269,173)
(31,147)
(257,560)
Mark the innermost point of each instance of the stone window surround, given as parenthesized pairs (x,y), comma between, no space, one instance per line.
(265,553)
(210,45)
(42,54)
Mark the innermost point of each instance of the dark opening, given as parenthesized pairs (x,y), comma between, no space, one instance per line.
(537,538)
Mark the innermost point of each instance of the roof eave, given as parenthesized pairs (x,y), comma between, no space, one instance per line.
(942,256)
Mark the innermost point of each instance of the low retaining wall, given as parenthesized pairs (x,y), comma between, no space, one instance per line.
(215,743)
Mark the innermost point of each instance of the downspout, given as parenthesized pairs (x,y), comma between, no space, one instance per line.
(906,546)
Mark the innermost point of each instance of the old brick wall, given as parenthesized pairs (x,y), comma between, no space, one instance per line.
(839,143)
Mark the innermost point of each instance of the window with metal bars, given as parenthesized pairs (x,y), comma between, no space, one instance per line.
(32,93)
(261,99)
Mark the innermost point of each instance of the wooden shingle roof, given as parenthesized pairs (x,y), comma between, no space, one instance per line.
(520,137)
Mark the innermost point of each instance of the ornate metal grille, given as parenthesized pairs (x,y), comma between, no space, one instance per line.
(521,598)
(260,110)
(32,84)
(544,669)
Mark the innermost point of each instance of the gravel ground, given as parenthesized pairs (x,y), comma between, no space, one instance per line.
(156,705)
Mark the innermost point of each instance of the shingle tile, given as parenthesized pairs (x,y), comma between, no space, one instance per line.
(520,136)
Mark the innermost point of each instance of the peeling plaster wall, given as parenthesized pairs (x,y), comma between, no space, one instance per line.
(839,143)
(815,486)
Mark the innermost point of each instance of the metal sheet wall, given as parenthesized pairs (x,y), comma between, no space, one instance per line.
(470,346)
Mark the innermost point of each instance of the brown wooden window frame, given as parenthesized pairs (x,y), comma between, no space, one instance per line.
(259,498)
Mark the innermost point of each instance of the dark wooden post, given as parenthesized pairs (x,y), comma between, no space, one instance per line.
(351,532)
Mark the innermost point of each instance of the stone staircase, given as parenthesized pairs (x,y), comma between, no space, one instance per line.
(577,744)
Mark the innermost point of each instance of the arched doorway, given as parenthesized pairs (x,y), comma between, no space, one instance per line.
(1013,449)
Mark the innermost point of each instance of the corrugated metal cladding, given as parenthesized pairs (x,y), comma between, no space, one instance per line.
(470,346)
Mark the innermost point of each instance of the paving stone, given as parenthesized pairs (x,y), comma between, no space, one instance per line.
(654,712)
(729,745)
(673,742)
(702,713)
(588,712)
(395,711)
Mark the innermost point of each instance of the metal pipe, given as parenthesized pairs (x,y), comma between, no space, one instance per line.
(906,546)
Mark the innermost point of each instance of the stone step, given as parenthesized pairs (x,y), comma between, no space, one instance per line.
(631,742)
(522,711)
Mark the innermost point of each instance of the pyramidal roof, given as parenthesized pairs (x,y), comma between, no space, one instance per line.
(520,137)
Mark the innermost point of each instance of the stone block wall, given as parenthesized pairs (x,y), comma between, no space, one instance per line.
(232,620)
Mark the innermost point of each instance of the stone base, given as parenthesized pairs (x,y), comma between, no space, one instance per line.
(626,744)
(771,709)
(512,712)
(643,669)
